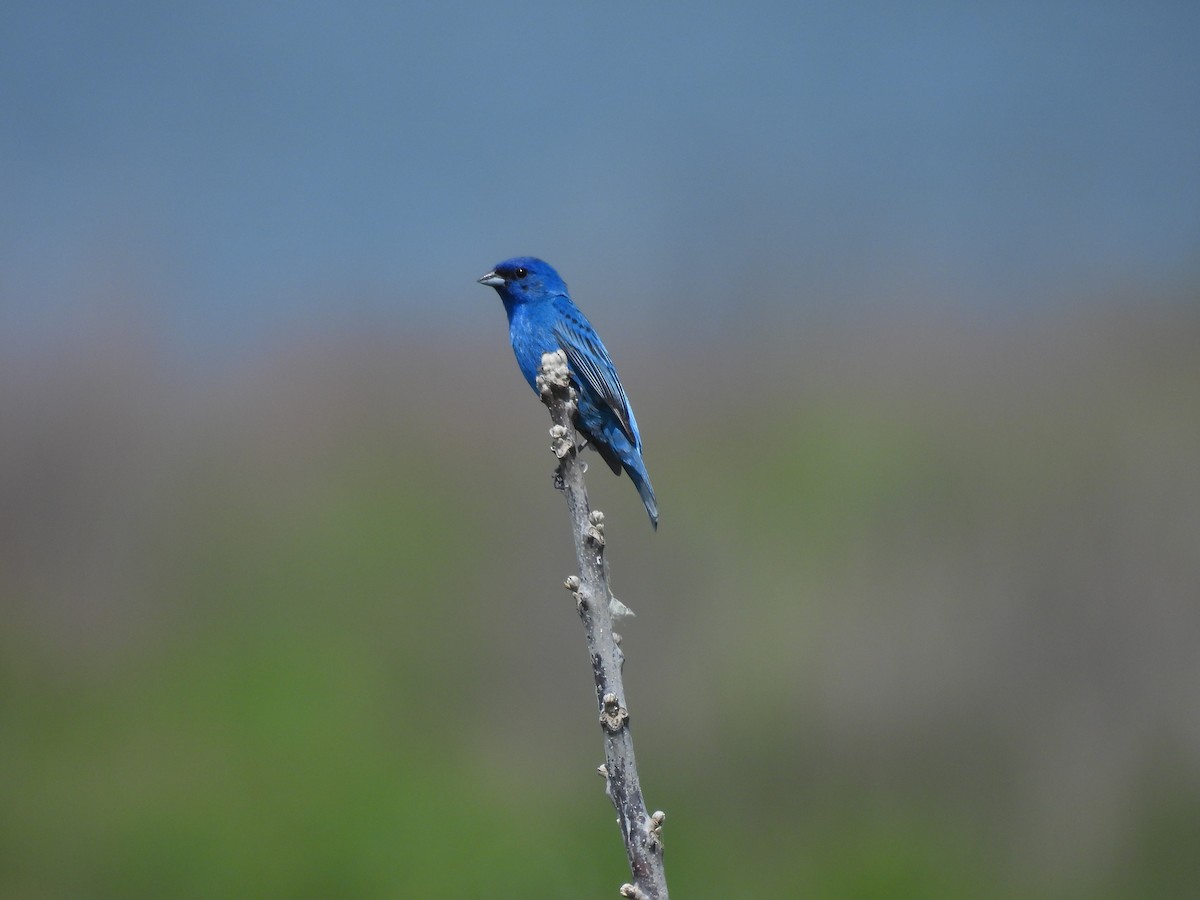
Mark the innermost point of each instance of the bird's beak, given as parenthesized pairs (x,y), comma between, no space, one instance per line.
(491,279)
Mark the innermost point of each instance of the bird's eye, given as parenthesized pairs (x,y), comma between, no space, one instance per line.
(522,272)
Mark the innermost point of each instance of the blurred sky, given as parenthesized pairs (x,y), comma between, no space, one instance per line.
(238,245)
(247,168)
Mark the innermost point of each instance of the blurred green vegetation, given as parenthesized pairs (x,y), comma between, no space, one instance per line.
(920,625)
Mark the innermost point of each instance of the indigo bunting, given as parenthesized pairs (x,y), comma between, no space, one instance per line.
(542,319)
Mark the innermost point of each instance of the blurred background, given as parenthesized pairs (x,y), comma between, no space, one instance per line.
(907,298)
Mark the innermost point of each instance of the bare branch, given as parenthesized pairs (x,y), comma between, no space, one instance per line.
(641,831)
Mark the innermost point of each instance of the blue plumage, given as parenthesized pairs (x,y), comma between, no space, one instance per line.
(542,319)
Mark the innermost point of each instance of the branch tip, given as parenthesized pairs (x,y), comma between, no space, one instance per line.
(553,375)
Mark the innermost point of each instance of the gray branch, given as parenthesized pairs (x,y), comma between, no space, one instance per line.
(641,831)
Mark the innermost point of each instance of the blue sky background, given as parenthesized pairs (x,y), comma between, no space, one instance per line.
(229,171)
(907,300)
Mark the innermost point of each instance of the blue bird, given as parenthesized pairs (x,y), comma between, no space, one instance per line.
(542,319)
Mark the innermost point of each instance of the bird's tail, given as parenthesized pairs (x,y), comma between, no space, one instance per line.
(626,456)
(637,474)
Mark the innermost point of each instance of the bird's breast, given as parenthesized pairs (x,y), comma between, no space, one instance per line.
(531,338)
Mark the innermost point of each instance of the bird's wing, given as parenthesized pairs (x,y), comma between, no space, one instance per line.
(590,363)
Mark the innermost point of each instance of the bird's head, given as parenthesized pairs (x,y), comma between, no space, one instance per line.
(524,279)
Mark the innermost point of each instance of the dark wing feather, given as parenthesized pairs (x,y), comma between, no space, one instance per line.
(590,362)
